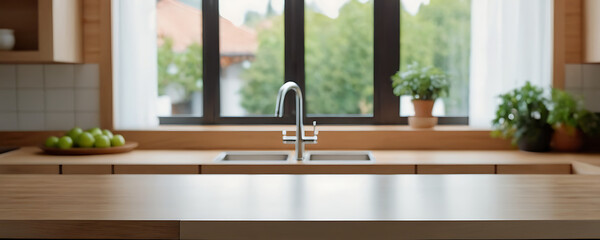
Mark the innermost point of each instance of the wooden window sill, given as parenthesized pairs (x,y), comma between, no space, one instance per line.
(255,137)
(308,128)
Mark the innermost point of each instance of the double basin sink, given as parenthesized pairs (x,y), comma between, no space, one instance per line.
(327,157)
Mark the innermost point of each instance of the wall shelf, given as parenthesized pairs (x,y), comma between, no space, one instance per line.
(46,31)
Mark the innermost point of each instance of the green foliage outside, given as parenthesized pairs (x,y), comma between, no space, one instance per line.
(569,110)
(440,36)
(421,83)
(522,112)
(339,57)
(339,60)
(183,69)
(263,79)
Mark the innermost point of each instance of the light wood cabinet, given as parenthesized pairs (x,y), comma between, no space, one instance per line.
(591,16)
(86,169)
(156,169)
(46,31)
(456,169)
(29,169)
(308,169)
(534,169)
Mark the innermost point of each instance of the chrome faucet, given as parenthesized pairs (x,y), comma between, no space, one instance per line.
(300,139)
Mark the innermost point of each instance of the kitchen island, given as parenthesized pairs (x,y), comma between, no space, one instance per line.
(300,206)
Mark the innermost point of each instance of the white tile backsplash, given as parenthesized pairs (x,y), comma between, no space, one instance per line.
(59,76)
(87,76)
(8,100)
(60,120)
(30,99)
(30,76)
(87,100)
(584,80)
(8,121)
(573,76)
(591,76)
(60,100)
(31,121)
(592,99)
(8,76)
(87,120)
(575,91)
(37,97)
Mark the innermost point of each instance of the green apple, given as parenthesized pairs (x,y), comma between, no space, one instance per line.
(65,142)
(95,131)
(86,140)
(117,140)
(74,133)
(107,133)
(101,141)
(52,142)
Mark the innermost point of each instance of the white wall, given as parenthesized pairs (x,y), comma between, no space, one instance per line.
(48,96)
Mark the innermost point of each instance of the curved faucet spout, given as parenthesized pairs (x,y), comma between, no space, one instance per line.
(300,138)
(283,90)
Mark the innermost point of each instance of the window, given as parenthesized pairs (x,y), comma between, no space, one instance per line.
(180,80)
(223,61)
(437,33)
(338,58)
(252,48)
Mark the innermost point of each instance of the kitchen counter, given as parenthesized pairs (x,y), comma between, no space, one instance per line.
(386,162)
(300,206)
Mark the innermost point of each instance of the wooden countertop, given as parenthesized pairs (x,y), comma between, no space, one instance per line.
(300,206)
(33,155)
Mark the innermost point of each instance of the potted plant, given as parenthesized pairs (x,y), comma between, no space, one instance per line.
(523,117)
(570,121)
(424,85)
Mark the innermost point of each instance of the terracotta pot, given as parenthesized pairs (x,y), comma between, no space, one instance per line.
(567,139)
(423,108)
(422,122)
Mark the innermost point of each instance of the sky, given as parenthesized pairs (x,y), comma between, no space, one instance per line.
(235,10)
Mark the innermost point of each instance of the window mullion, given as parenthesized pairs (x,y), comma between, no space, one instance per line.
(386,106)
(211,68)
(294,49)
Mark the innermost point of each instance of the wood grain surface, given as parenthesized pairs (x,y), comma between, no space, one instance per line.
(387,206)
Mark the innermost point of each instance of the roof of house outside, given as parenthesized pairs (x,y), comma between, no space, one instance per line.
(183,24)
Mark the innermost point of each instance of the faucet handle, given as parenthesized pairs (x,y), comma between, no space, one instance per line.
(315,131)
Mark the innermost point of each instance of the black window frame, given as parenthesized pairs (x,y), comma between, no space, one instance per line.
(386,106)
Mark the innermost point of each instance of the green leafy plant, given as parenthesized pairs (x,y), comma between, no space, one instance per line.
(422,83)
(522,112)
(569,110)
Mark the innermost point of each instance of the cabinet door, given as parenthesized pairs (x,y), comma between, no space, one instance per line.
(534,169)
(591,31)
(456,169)
(29,169)
(86,169)
(308,169)
(156,169)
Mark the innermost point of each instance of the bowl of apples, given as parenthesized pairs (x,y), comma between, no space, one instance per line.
(91,142)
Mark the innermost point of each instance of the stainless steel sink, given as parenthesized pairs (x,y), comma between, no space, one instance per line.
(253,156)
(339,157)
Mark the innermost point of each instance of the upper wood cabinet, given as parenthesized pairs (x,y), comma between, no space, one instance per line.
(46,31)
(591,16)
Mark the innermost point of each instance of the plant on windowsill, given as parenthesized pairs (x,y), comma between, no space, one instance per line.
(522,116)
(424,85)
(571,121)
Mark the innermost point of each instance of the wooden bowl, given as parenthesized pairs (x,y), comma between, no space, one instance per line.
(422,122)
(90,151)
